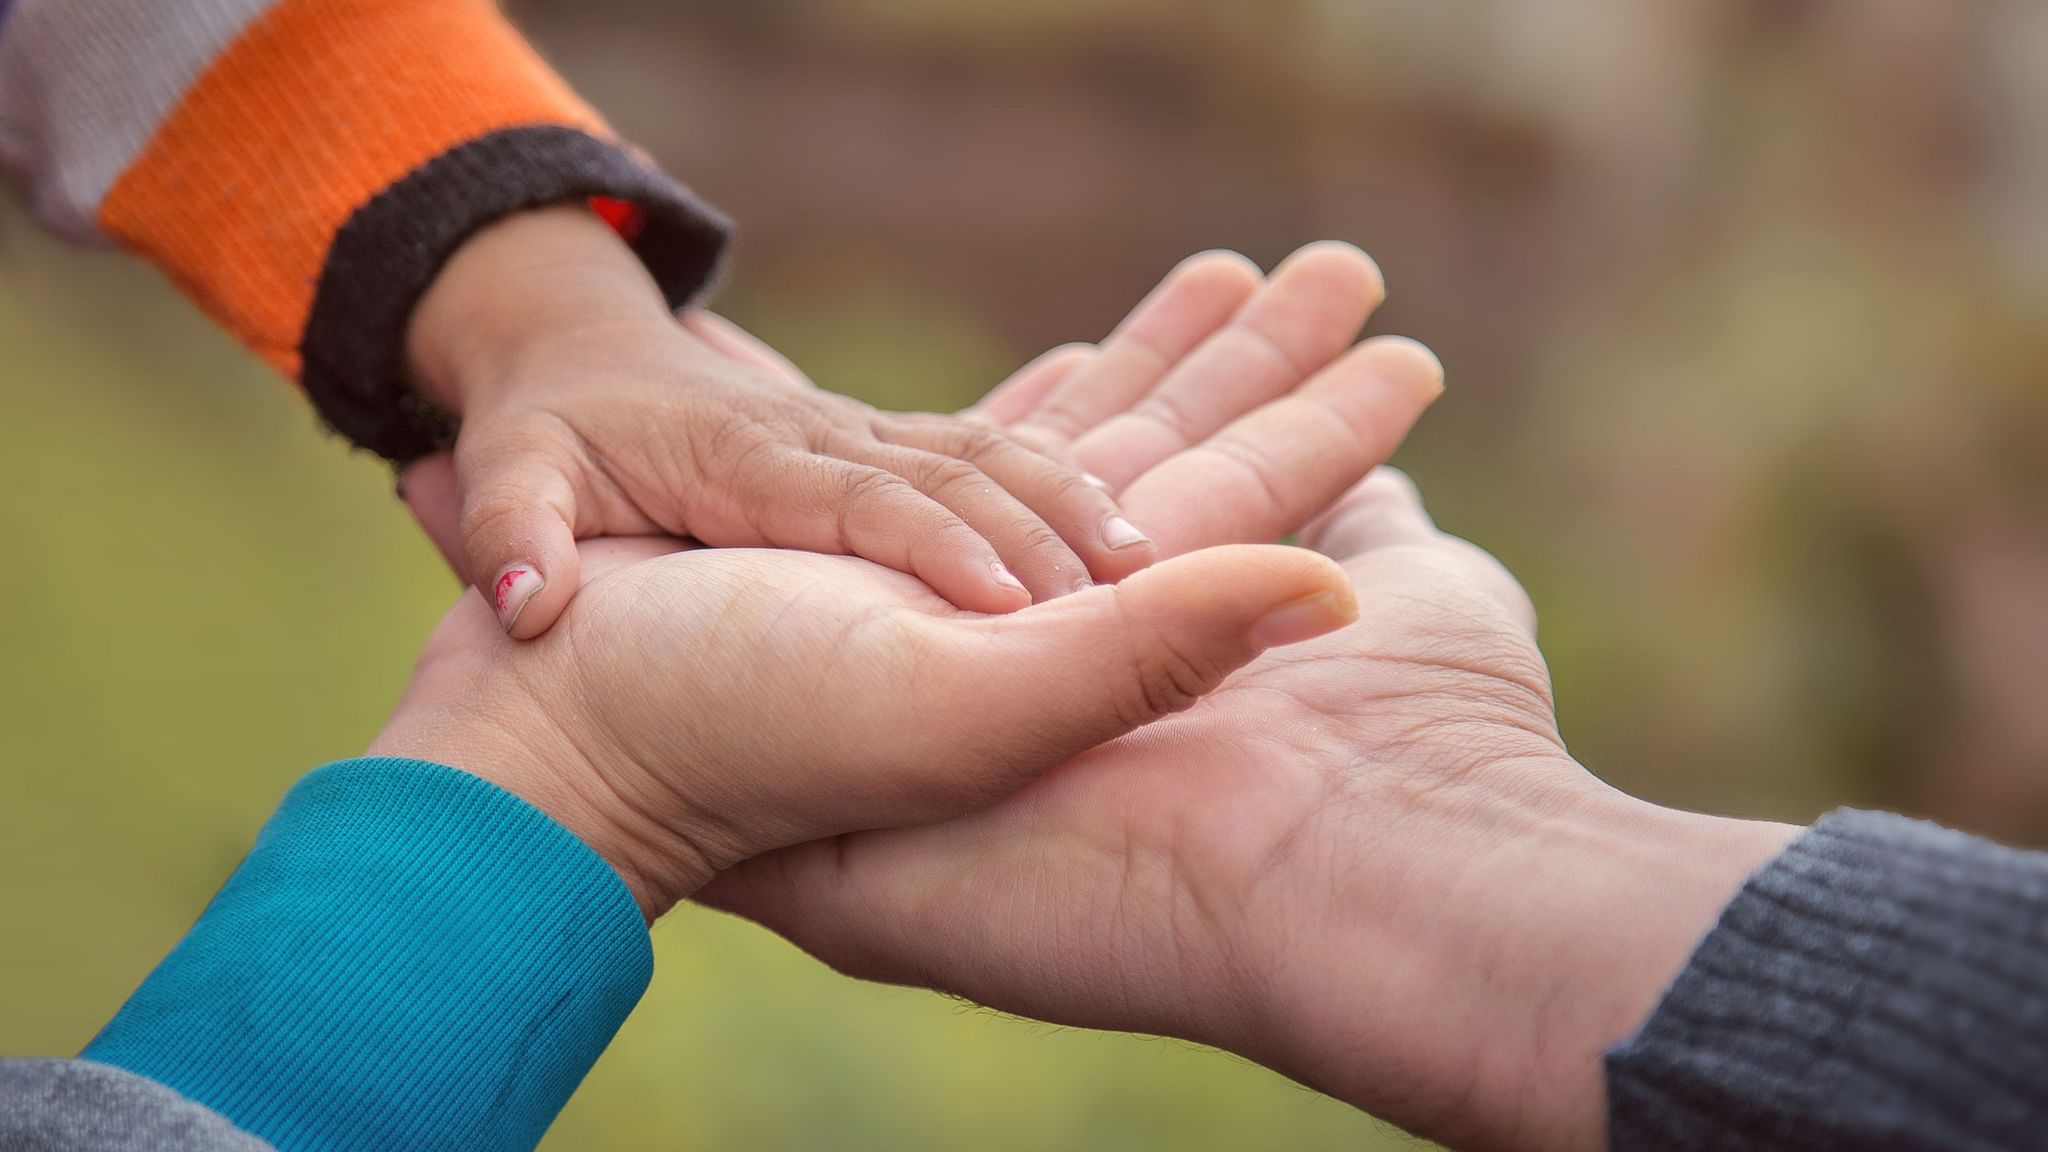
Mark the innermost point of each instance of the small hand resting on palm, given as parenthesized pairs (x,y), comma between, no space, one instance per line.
(1306,804)
(694,708)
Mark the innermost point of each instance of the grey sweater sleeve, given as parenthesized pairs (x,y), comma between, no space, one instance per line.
(77,1105)
(1883,983)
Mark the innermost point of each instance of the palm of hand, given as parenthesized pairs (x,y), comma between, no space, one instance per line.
(1176,841)
(796,663)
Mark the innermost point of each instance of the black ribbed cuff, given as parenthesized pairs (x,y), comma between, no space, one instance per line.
(1882,984)
(385,257)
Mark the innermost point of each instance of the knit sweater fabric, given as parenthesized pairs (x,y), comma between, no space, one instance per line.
(1882,984)
(303,168)
(409,957)
(412,958)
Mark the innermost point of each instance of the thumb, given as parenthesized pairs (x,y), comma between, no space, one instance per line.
(518,528)
(1064,676)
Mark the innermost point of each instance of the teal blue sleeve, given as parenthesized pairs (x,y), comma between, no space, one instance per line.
(409,957)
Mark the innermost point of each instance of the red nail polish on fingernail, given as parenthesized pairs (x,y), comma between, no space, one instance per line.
(514,589)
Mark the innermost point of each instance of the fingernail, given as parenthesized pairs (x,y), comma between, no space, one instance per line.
(1097,481)
(515,587)
(1304,619)
(1118,532)
(1424,367)
(1004,576)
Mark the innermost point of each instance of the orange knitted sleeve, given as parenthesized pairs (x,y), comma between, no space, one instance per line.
(322,160)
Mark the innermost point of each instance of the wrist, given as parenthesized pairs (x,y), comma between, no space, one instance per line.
(522,278)
(1478,952)
(538,763)
(1617,898)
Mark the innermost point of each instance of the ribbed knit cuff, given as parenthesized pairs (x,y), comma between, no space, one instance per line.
(1882,984)
(409,957)
(383,260)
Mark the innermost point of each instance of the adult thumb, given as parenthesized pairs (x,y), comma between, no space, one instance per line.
(1066,675)
(518,530)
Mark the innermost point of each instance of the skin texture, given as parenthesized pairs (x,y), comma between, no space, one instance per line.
(1365,860)
(677,716)
(587,411)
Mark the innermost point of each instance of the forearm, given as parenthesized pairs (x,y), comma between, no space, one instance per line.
(1606,973)
(303,168)
(1568,916)
(408,957)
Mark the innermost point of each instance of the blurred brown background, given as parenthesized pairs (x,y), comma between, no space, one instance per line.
(1745,312)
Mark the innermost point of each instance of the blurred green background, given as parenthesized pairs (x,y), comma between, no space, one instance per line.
(1745,312)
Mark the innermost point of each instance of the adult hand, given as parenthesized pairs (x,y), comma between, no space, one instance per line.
(1366,861)
(706,706)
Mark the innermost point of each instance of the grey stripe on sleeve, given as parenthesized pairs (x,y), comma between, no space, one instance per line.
(85,83)
(79,1106)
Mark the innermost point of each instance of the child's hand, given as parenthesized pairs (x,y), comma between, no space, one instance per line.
(697,708)
(588,410)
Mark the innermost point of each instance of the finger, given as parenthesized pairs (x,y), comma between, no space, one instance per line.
(427,486)
(866,903)
(1087,523)
(1386,511)
(1194,300)
(828,504)
(1308,312)
(1028,387)
(1028,547)
(1269,472)
(1383,510)
(518,526)
(1061,677)
(736,343)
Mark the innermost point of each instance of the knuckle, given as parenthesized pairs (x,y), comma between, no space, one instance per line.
(1170,680)
(867,497)
(946,474)
(493,506)
(1035,535)
(1166,677)
(862,485)
(962,439)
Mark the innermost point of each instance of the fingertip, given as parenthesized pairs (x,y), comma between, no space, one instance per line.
(1340,269)
(982,584)
(529,596)
(1384,508)
(1119,534)
(1304,619)
(1408,363)
(1222,266)
(1008,587)
(1015,398)
(1124,549)
(512,591)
